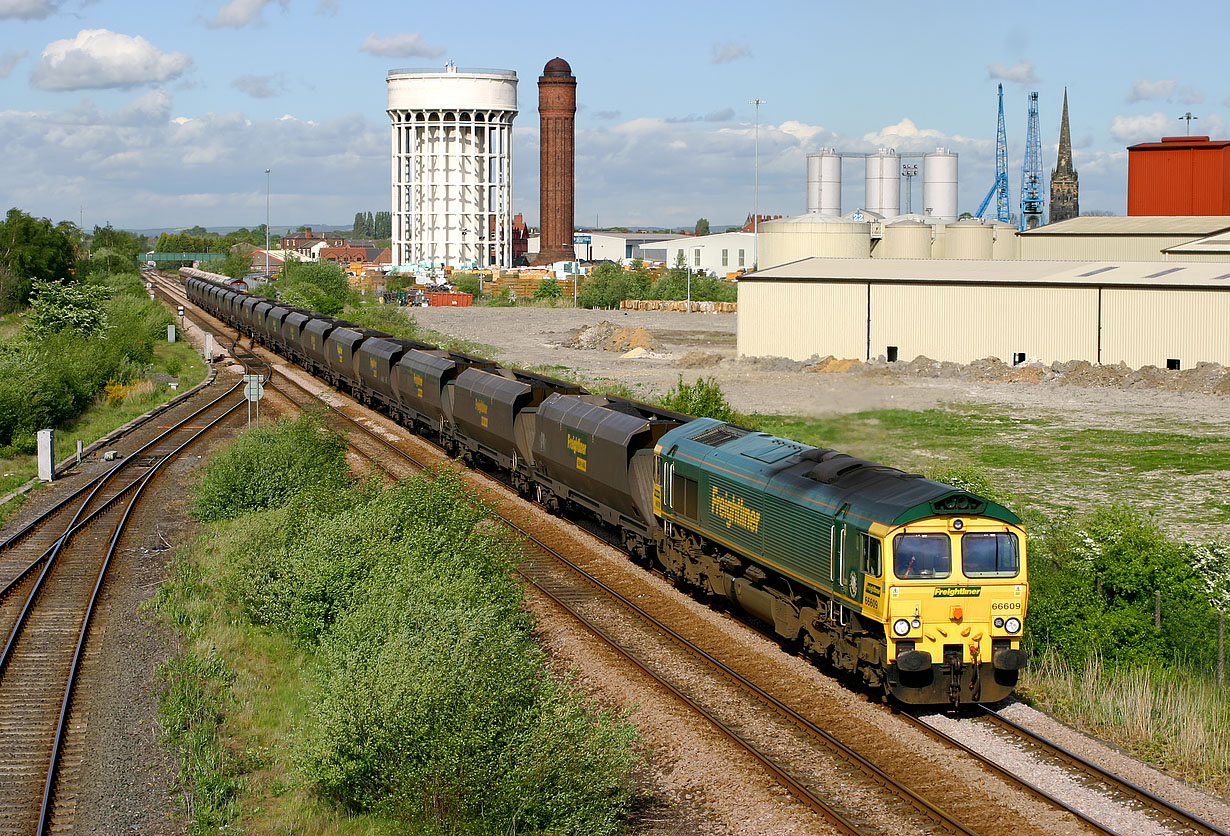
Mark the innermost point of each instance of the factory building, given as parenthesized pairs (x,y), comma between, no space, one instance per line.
(452,166)
(619,247)
(1138,313)
(719,254)
(1181,175)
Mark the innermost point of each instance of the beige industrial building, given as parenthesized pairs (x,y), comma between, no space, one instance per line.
(863,234)
(1139,313)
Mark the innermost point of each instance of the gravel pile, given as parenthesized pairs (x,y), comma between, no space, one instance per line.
(1204,378)
(609,337)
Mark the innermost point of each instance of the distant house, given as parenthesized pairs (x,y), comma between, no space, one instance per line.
(353,254)
(302,242)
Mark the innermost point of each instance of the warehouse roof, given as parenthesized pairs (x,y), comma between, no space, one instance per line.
(1172,274)
(1217,243)
(1193,225)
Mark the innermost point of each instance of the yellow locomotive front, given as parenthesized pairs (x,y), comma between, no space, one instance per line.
(954,609)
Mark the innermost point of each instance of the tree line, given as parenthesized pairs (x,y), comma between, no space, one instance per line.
(378,226)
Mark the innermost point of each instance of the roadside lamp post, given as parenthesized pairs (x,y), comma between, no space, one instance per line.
(266,224)
(756,182)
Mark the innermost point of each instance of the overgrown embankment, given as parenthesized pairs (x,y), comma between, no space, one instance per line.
(366,662)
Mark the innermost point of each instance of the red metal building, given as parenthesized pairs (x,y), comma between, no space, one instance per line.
(1181,175)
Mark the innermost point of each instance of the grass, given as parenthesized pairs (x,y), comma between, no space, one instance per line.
(1175,720)
(104,416)
(1183,477)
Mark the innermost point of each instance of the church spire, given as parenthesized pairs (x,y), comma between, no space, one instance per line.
(1064,163)
(1065,187)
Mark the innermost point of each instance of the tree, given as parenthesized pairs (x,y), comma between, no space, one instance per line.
(548,288)
(32,249)
(236,264)
(468,283)
(606,287)
(126,244)
(357,229)
(702,227)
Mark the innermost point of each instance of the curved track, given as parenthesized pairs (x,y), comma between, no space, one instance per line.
(52,572)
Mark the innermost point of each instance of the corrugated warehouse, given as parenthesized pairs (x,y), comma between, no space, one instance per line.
(1116,238)
(1138,313)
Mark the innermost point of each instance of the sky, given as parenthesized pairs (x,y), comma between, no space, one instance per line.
(157,115)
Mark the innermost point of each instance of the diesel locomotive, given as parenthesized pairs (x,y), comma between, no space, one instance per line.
(916,587)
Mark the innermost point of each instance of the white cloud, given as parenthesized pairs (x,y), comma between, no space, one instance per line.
(8,60)
(1021,72)
(405,45)
(724,53)
(1143,90)
(100,58)
(131,165)
(1142,127)
(239,13)
(27,9)
(258,86)
(1190,96)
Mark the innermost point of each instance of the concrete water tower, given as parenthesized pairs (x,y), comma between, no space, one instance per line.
(452,165)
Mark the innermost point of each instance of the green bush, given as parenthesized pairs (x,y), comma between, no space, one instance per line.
(548,289)
(271,465)
(703,399)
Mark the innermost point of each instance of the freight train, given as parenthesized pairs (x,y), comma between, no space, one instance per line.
(915,587)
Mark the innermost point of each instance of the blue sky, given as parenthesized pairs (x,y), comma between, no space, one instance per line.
(167,114)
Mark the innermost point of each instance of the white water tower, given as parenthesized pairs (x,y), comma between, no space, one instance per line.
(883,183)
(824,182)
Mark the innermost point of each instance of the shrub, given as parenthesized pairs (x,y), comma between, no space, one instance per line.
(548,289)
(703,399)
(269,466)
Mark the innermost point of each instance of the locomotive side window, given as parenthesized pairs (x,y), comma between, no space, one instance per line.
(873,564)
(990,555)
(922,556)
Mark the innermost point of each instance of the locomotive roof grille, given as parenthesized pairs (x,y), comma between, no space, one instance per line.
(719,435)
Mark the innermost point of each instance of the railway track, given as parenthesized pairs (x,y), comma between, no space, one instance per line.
(52,573)
(1096,779)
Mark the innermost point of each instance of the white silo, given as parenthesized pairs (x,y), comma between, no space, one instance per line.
(824,182)
(452,165)
(884,182)
(940,185)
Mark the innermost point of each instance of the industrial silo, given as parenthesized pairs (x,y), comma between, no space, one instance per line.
(812,234)
(970,238)
(1007,246)
(940,185)
(824,182)
(883,182)
(905,239)
(452,165)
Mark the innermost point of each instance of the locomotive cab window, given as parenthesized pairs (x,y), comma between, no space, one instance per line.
(990,555)
(872,562)
(922,556)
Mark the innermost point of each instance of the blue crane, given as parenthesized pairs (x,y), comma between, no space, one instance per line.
(1031,174)
(1000,187)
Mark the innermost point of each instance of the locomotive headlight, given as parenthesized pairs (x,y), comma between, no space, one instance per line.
(1013,625)
(901,626)
(916,624)
(999,623)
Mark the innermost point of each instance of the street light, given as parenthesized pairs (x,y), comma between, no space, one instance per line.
(909,171)
(756,182)
(266,224)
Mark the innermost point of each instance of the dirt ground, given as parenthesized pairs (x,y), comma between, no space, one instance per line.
(701,345)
